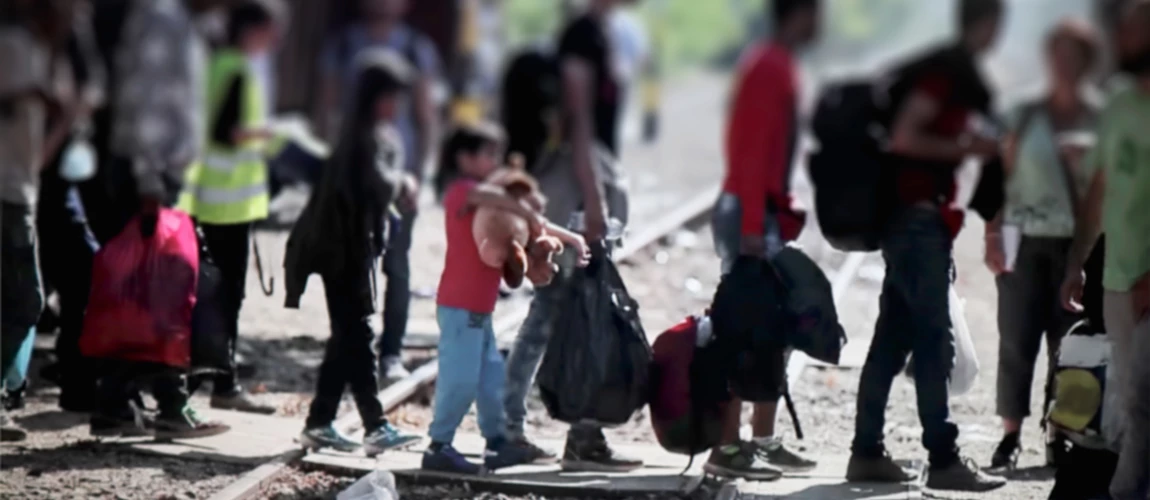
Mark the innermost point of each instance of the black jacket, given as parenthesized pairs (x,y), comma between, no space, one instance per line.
(343,228)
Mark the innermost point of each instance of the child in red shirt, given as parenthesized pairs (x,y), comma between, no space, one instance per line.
(470,365)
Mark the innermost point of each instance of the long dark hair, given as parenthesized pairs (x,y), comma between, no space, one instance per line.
(465,139)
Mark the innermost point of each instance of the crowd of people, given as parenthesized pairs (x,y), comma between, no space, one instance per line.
(124,81)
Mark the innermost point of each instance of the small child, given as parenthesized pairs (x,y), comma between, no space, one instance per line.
(340,235)
(470,365)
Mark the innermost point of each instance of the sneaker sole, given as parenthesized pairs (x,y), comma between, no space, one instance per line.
(793,469)
(581,466)
(372,450)
(252,410)
(310,444)
(718,470)
(194,434)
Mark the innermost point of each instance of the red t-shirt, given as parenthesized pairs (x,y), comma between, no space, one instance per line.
(935,182)
(467,283)
(762,137)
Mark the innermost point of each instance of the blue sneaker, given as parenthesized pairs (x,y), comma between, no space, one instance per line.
(327,437)
(501,453)
(386,437)
(448,460)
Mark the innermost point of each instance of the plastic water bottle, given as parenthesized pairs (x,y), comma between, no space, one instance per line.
(78,162)
(615,227)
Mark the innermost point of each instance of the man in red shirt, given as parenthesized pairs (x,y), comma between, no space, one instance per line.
(754,215)
(930,139)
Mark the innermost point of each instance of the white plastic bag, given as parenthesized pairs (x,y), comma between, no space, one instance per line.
(964,373)
(379,485)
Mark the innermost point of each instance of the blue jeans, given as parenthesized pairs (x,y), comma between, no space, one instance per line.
(914,317)
(470,370)
(397,297)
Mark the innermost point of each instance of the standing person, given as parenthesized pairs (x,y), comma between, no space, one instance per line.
(590,120)
(471,367)
(930,139)
(340,236)
(417,123)
(1116,204)
(227,190)
(754,215)
(1040,204)
(147,136)
(67,245)
(30,31)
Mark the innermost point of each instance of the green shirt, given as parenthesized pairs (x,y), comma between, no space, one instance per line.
(1124,151)
(1037,198)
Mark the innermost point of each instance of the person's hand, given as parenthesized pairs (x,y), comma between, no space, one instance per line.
(595,226)
(409,194)
(753,245)
(582,249)
(995,257)
(1140,294)
(1071,292)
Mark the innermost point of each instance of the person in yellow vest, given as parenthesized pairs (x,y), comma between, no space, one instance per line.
(227,189)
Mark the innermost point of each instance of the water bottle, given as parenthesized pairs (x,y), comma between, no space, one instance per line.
(78,162)
(615,227)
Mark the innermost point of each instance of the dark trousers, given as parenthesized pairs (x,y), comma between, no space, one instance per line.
(22,295)
(123,381)
(67,247)
(913,318)
(397,297)
(229,247)
(348,360)
(1029,308)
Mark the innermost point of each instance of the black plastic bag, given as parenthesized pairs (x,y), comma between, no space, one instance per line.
(211,342)
(597,365)
(812,322)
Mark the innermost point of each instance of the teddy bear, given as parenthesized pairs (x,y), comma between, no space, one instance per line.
(504,239)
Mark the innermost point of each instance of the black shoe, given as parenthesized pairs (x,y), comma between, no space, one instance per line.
(1006,454)
(535,454)
(595,455)
(77,400)
(133,425)
(14,398)
(878,469)
(962,475)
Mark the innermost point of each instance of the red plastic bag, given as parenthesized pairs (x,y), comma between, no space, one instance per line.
(143,293)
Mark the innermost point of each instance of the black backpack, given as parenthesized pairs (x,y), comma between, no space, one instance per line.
(530,96)
(852,173)
(847,171)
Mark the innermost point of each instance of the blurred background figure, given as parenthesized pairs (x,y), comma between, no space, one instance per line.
(227,190)
(32,35)
(1036,226)
(381,24)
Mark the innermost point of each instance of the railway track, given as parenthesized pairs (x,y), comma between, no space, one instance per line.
(694,213)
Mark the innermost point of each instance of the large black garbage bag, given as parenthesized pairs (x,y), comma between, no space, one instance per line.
(598,359)
(211,342)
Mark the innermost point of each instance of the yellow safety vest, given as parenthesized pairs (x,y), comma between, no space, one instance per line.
(229,185)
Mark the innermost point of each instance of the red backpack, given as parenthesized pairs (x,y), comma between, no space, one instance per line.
(688,389)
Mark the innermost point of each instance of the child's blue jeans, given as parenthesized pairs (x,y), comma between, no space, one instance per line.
(470,369)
